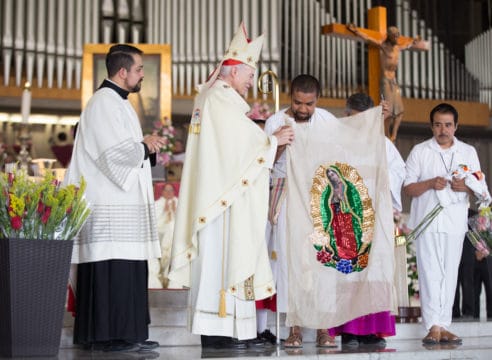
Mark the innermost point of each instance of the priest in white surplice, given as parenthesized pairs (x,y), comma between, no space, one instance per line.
(120,235)
(219,247)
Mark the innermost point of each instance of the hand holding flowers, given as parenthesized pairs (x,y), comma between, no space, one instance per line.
(166,131)
(480,233)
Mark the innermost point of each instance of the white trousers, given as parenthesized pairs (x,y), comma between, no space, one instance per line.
(438,259)
(240,321)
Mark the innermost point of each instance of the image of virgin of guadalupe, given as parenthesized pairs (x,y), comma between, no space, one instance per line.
(343,217)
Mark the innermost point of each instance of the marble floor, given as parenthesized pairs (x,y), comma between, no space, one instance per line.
(169,328)
(472,348)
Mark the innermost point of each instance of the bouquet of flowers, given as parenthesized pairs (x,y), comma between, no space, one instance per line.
(480,233)
(40,210)
(475,180)
(167,131)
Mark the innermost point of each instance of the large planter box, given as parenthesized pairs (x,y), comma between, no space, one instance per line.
(33,287)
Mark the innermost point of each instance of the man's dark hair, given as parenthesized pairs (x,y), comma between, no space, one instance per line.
(359,102)
(120,56)
(444,108)
(306,84)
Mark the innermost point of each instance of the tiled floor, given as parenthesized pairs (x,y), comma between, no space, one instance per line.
(472,348)
(169,320)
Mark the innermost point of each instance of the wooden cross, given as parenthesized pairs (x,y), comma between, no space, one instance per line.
(376,21)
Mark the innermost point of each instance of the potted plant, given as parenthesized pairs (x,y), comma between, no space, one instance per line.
(38,221)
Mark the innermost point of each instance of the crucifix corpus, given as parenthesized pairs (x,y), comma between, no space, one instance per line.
(385,45)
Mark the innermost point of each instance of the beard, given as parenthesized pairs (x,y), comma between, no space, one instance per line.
(137,87)
(393,41)
(301,117)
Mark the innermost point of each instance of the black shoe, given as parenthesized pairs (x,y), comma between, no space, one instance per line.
(121,346)
(255,343)
(213,341)
(229,344)
(350,341)
(148,345)
(267,336)
(372,340)
(96,346)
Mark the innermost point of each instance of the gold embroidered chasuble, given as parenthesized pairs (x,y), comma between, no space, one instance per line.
(227,168)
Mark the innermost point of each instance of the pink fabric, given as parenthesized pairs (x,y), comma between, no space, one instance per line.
(381,324)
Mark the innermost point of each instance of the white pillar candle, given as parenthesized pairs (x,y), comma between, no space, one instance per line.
(26,103)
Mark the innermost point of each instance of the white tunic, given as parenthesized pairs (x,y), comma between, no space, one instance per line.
(439,247)
(396,173)
(426,161)
(109,154)
(240,321)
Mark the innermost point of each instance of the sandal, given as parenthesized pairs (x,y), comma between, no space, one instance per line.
(433,337)
(295,338)
(449,337)
(324,340)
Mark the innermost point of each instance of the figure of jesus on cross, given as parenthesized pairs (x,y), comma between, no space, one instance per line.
(385,44)
(389,54)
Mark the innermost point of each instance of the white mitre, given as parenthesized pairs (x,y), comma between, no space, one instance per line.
(241,50)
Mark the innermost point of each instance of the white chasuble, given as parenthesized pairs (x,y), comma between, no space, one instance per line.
(222,213)
(339,222)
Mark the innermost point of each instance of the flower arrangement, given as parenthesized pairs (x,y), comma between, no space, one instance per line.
(480,233)
(40,210)
(412,272)
(167,131)
(259,111)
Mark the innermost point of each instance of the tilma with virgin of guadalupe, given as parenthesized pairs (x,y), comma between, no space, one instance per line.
(341,243)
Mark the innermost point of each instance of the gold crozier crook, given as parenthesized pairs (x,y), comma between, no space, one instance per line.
(268,91)
(276,97)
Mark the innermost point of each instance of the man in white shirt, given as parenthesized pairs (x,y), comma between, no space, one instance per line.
(429,183)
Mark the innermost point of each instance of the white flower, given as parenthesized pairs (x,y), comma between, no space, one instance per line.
(318,239)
